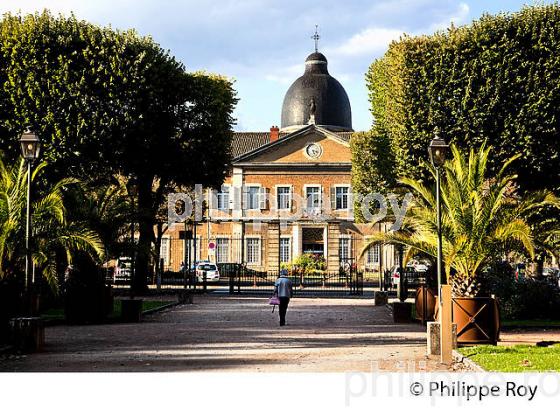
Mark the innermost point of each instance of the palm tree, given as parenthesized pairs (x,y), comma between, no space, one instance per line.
(51,231)
(482,217)
(106,209)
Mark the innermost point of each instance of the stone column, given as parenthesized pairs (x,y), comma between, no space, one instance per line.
(296,240)
(333,236)
(273,247)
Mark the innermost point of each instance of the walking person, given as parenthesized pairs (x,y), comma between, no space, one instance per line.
(283,288)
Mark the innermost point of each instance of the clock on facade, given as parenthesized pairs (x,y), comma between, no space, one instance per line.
(313,150)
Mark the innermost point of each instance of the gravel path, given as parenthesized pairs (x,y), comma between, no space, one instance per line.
(239,334)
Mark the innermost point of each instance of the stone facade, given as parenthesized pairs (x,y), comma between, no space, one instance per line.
(281,200)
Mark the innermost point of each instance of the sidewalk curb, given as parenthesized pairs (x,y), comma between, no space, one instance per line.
(467,362)
(160,308)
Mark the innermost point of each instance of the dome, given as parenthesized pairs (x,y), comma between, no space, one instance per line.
(316,98)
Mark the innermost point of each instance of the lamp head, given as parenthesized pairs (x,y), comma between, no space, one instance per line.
(438,149)
(30,145)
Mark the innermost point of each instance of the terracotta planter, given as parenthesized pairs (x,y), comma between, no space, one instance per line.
(425,304)
(477,319)
(27,334)
(131,310)
(402,312)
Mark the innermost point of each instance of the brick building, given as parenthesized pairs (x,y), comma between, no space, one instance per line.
(288,191)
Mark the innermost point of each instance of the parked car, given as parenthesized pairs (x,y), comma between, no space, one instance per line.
(396,274)
(210,270)
(552,272)
(414,276)
(418,266)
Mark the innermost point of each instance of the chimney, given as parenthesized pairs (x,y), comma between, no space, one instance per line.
(274,131)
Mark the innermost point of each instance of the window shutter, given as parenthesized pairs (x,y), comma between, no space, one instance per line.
(231,199)
(262,198)
(350,201)
(291,199)
(274,205)
(244,197)
(333,198)
(212,198)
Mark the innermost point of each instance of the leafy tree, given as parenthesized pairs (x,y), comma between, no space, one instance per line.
(495,80)
(371,151)
(482,217)
(51,230)
(107,102)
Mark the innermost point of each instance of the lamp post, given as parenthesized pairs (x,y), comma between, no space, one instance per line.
(438,150)
(131,308)
(132,190)
(30,150)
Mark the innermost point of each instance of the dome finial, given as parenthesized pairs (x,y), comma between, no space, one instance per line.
(316,37)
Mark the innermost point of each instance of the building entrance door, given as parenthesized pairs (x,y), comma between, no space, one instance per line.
(312,241)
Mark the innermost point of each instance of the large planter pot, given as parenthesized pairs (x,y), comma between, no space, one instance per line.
(131,310)
(27,334)
(402,312)
(425,304)
(477,319)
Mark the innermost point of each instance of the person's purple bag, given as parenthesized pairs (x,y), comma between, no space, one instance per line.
(274,301)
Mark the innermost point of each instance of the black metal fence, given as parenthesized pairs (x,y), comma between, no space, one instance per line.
(239,279)
(320,284)
(243,265)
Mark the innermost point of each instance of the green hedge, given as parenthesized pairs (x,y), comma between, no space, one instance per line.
(496,80)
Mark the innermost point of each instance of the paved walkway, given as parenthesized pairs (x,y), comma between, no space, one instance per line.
(239,334)
(529,336)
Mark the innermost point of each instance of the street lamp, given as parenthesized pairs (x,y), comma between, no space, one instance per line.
(438,151)
(30,149)
(132,189)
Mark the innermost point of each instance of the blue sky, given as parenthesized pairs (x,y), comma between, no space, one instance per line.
(262,44)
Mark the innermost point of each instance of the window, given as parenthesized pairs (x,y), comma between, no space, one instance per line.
(313,195)
(344,250)
(223,198)
(253,198)
(222,250)
(373,255)
(253,251)
(164,251)
(341,194)
(285,251)
(283,197)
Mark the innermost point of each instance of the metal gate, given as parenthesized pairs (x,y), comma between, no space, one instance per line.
(348,281)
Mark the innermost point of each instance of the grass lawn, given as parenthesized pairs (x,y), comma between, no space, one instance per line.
(519,358)
(58,313)
(531,323)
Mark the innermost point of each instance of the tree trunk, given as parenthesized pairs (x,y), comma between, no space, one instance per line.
(157,250)
(146,220)
(539,266)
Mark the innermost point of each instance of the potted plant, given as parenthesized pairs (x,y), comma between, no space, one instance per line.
(483,217)
(52,235)
(308,266)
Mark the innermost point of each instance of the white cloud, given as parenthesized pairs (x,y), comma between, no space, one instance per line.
(458,17)
(367,42)
(285,75)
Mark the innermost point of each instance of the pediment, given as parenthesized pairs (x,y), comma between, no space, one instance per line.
(309,145)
